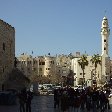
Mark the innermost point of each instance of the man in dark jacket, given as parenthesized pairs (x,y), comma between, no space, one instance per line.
(28,101)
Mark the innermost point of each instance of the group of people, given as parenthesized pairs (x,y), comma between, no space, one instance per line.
(25,98)
(89,99)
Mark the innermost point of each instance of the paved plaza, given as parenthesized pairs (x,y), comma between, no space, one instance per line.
(39,104)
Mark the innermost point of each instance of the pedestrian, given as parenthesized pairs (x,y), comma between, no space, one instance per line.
(56,98)
(28,101)
(94,100)
(22,99)
(107,92)
(77,103)
(88,101)
(102,101)
(64,102)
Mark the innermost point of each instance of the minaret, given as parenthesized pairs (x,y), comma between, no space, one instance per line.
(105,31)
(105,65)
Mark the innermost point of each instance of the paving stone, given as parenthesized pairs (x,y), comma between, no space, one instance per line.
(39,104)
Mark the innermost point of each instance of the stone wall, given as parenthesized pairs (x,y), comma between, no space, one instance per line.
(7,50)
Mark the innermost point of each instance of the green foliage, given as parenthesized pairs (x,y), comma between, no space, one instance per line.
(96,59)
(83,61)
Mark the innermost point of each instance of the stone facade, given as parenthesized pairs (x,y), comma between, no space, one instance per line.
(41,65)
(7,50)
(52,67)
(104,70)
(89,71)
(26,64)
(63,65)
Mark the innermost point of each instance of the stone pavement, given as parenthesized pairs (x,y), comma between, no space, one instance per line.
(39,104)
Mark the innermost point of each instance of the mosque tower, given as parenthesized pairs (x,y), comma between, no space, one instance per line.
(105,31)
(105,66)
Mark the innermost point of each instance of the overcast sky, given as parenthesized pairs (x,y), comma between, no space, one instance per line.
(57,26)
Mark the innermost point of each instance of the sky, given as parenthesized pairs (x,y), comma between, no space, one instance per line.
(57,26)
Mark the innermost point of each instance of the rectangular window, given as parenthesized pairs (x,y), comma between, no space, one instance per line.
(34,69)
(43,63)
(4,46)
(3,70)
(33,62)
(40,69)
(52,62)
(64,71)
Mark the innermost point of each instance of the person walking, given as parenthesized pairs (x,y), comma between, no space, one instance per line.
(22,99)
(94,100)
(64,102)
(28,101)
(56,97)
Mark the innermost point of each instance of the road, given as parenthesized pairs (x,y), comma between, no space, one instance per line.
(39,104)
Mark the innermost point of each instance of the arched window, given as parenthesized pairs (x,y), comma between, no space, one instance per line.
(104,48)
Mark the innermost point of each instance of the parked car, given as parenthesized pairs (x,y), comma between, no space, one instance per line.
(44,92)
(50,90)
(57,87)
(110,95)
(75,87)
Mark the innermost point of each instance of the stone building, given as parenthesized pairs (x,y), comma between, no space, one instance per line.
(51,67)
(7,50)
(63,64)
(104,70)
(25,64)
(42,66)
(47,66)
(89,71)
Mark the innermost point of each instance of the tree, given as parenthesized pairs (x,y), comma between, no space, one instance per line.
(39,79)
(96,60)
(16,80)
(83,62)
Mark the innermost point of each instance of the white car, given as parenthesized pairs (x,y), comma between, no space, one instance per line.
(110,95)
(75,87)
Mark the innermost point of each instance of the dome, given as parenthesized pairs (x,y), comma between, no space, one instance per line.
(104,18)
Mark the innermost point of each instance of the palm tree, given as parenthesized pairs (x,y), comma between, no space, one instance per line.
(83,62)
(96,60)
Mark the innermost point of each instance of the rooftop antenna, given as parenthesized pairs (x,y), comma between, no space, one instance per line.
(105,12)
(32,52)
